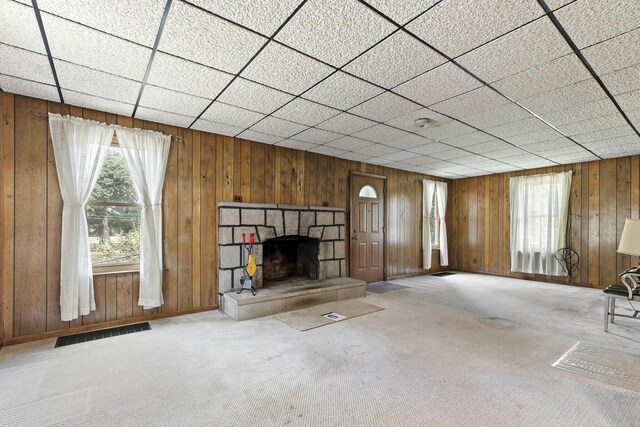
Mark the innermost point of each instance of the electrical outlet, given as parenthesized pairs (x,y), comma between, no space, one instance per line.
(474,260)
(237,198)
(325,204)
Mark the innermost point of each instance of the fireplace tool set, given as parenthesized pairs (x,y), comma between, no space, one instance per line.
(249,264)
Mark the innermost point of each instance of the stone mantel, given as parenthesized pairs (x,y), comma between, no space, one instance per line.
(268,221)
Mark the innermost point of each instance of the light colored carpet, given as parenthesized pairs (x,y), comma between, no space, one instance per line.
(611,366)
(463,350)
(310,318)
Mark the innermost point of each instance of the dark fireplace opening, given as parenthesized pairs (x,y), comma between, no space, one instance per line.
(290,256)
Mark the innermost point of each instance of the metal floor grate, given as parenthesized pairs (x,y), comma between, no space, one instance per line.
(103,333)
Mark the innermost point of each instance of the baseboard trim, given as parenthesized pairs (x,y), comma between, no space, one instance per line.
(97,326)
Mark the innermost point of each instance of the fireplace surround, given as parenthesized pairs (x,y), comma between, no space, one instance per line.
(310,238)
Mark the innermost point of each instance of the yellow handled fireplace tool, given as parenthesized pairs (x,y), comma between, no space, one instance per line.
(250,266)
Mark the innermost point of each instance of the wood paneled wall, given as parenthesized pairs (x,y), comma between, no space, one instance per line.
(603,194)
(203,169)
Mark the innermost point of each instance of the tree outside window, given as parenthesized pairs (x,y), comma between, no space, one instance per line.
(113,215)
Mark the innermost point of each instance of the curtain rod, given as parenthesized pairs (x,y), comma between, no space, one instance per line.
(46,117)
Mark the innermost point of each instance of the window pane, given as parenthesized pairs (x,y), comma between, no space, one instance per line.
(114,183)
(114,234)
(368,192)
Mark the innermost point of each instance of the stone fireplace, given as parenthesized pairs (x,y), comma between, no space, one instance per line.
(290,241)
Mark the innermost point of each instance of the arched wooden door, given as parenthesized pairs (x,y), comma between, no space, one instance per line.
(367,227)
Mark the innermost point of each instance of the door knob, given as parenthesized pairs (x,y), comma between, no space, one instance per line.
(355,235)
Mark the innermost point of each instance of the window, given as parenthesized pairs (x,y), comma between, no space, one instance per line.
(368,192)
(434,223)
(113,216)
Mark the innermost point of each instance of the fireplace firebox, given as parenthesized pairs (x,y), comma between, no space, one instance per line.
(290,256)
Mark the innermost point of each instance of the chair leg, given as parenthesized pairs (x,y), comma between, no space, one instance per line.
(612,310)
(606,313)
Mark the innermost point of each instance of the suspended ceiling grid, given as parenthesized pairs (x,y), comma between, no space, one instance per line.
(509,85)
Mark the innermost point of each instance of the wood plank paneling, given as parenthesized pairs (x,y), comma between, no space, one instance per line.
(203,169)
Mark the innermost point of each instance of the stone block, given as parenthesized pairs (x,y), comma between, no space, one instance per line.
(353,292)
(326,250)
(252,217)
(331,233)
(291,223)
(225,278)
(229,216)
(301,301)
(325,218)
(237,234)
(266,233)
(307,219)
(257,279)
(341,233)
(338,249)
(275,220)
(257,254)
(315,232)
(331,269)
(225,235)
(339,218)
(343,268)
(260,309)
(229,256)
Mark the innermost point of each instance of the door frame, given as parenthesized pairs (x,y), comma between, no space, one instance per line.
(384,223)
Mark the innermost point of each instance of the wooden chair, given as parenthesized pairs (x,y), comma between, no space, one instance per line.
(629,289)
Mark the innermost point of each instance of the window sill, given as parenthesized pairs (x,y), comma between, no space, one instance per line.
(122,271)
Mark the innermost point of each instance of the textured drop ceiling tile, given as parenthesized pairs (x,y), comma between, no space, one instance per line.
(455,27)
(487,163)
(507,152)
(346,123)
(502,168)
(230,115)
(357,157)
(317,136)
(158,116)
(254,96)
(306,112)
(629,101)
(28,88)
(615,54)
(557,151)
(521,160)
(559,143)
(263,16)
(282,68)
(398,165)
(25,64)
(201,37)
(565,97)
(589,21)
(402,11)
(74,43)
(429,147)
(592,125)
(92,82)
(450,154)
(334,31)
(278,127)
(534,44)
(342,91)
(181,75)
(574,158)
(581,112)
(475,101)
(508,113)
(555,4)
(135,20)
(407,122)
(527,125)
(296,145)
(96,103)
(418,160)
(620,141)
(378,161)
(380,133)
(621,81)
(399,156)
(385,107)
(349,143)
(470,160)
(446,130)
(550,76)
(375,150)
(327,151)
(173,102)
(534,137)
(408,140)
(252,135)
(395,60)
(467,139)
(613,152)
(217,128)
(18,26)
(604,134)
(437,85)
(487,147)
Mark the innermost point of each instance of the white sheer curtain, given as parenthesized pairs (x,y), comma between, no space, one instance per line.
(539,211)
(441,199)
(80,148)
(428,188)
(146,155)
